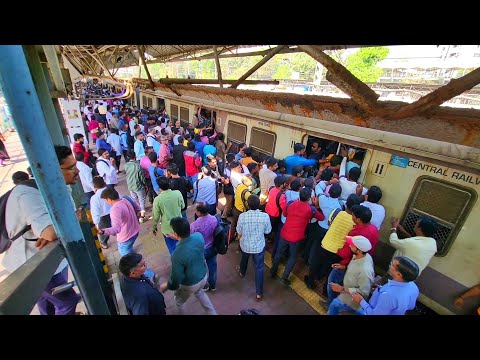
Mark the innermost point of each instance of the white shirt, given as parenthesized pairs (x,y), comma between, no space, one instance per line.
(98,206)
(132,124)
(348,187)
(115,141)
(420,249)
(108,172)
(85,176)
(151,139)
(378,213)
(25,206)
(175,139)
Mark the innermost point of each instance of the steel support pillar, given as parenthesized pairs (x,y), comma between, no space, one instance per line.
(21,95)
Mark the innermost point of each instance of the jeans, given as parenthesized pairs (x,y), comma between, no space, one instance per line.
(336,307)
(126,247)
(63,303)
(336,276)
(211,259)
(86,199)
(193,179)
(259,266)
(171,244)
(139,197)
(105,222)
(292,257)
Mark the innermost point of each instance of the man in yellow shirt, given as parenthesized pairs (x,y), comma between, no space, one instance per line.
(240,203)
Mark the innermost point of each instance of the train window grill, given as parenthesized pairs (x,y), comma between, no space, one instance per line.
(144,101)
(173,112)
(150,102)
(447,203)
(263,141)
(236,133)
(184,115)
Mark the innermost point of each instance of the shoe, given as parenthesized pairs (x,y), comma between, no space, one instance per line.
(118,171)
(212,289)
(324,303)
(273,274)
(258,298)
(239,272)
(310,283)
(104,246)
(285,282)
(140,220)
(206,287)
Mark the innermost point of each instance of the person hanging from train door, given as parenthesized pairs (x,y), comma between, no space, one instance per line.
(298,159)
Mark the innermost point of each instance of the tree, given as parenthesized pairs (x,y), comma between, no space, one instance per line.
(363,63)
(305,65)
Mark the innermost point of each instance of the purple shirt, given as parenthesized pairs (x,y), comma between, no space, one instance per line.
(124,221)
(145,164)
(205,225)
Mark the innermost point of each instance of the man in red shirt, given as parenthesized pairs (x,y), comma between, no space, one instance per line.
(79,148)
(276,199)
(298,214)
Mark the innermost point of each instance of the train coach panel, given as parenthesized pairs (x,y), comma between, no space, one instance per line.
(412,188)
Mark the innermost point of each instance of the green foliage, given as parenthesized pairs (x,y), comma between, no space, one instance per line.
(363,63)
(305,65)
(283,71)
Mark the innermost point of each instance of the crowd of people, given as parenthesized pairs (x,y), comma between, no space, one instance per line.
(310,207)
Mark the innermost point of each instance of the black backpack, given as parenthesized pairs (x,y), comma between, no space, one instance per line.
(5,240)
(220,236)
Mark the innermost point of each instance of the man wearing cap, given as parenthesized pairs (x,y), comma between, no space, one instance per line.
(298,159)
(140,294)
(398,295)
(358,277)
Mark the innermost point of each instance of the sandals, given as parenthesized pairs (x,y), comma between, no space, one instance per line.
(237,268)
(104,246)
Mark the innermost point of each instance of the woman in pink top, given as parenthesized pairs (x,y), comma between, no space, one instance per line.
(93,128)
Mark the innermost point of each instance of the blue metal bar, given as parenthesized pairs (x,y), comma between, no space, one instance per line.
(28,116)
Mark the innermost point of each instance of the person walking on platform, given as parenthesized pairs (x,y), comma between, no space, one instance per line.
(189,270)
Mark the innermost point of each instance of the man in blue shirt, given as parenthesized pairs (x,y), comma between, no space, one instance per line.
(398,295)
(140,294)
(298,159)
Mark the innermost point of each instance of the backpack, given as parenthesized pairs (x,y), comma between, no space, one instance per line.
(242,197)
(220,236)
(333,215)
(5,240)
(132,202)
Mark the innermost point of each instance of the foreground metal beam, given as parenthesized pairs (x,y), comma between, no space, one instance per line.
(360,93)
(439,96)
(23,101)
(217,63)
(173,81)
(141,54)
(20,291)
(267,57)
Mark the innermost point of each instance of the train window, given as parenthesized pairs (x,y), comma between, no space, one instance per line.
(150,102)
(448,204)
(236,133)
(144,101)
(173,112)
(184,115)
(160,103)
(262,142)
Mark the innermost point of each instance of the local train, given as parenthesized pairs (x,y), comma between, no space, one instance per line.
(418,176)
